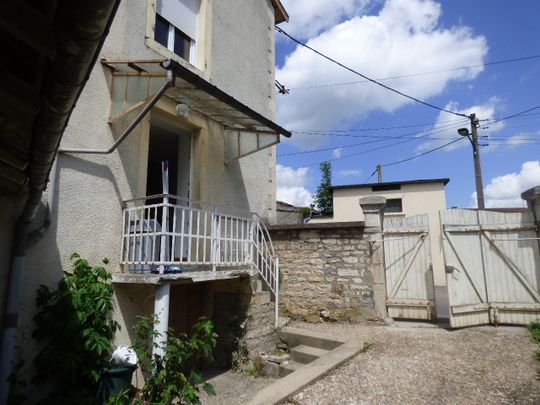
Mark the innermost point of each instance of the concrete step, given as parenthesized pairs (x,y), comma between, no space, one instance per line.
(288,368)
(283,321)
(306,354)
(296,336)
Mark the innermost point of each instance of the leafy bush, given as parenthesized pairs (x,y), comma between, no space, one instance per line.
(174,377)
(534,328)
(75,325)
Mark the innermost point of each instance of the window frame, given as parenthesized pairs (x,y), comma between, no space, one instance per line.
(394,212)
(199,50)
(171,39)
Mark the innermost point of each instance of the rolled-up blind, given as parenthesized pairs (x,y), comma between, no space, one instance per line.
(180,13)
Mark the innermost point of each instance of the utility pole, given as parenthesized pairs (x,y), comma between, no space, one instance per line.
(379,173)
(477,165)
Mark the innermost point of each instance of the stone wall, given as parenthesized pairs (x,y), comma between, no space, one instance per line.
(244,317)
(326,271)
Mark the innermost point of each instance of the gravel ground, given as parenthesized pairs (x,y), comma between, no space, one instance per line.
(409,364)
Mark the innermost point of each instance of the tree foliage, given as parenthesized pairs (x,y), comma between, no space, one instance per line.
(323,195)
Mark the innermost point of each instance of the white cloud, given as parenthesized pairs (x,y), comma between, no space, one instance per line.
(446,127)
(349,173)
(291,185)
(310,17)
(403,38)
(505,190)
(521,139)
(336,153)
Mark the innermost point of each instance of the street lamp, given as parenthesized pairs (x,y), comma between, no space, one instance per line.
(473,138)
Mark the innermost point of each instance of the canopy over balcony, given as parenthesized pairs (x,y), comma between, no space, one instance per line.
(135,82)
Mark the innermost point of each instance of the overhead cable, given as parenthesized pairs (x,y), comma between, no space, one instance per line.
(513,115)
(378,138)
(417,74)
(422,154)
(368,78)
(320,131)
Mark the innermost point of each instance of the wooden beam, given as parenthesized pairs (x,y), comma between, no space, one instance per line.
(29,26)
(136,67)
(491,228)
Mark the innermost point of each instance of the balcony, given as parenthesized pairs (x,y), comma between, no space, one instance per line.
(168,238)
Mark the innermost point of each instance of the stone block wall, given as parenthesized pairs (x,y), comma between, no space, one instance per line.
(244,317)
(326,271)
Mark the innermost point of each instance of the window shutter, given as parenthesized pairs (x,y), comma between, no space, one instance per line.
(180,13)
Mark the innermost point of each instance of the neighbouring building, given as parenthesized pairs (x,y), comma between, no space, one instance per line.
(288,214)
(404,199)
(186,87)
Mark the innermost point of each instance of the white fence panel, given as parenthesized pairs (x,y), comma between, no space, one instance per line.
(493,267)
(409,275)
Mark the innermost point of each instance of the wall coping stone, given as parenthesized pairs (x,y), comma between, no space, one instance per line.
(322,225)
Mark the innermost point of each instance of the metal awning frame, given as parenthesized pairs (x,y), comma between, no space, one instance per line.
(246,131)
(191,89)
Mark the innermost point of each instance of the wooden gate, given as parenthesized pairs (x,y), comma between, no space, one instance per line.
(409,275)
(492,267)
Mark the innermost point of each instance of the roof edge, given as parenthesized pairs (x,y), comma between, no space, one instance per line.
(281,14)
(445,181)
(221,95)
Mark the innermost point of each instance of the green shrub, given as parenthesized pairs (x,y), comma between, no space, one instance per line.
(174,377)
(74,323)
(534,328)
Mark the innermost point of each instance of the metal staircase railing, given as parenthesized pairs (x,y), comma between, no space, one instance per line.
(195,233)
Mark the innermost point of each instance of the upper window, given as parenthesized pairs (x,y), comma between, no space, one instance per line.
(393,205)
(386,187)
(176,26)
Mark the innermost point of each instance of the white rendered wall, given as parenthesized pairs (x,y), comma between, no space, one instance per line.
(238,56)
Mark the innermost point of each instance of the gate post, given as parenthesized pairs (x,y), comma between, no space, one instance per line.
(373,206)
(532,196)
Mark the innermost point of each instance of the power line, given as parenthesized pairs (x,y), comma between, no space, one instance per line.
(421,137)
(370,176)
(368,78)
(317,131)
(417,74)
(410,136)
(422,154)
(513,115)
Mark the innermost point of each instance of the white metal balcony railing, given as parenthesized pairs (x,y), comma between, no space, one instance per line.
(196,234)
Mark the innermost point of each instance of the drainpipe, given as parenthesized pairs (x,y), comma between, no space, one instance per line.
(81,31)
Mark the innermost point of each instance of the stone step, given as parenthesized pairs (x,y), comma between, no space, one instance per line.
(306,354)
(262,297)
(288,368)
(296,336)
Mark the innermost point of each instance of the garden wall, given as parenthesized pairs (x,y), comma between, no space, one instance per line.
(327,271)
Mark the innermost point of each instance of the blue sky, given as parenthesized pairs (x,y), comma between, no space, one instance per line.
(424,41)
